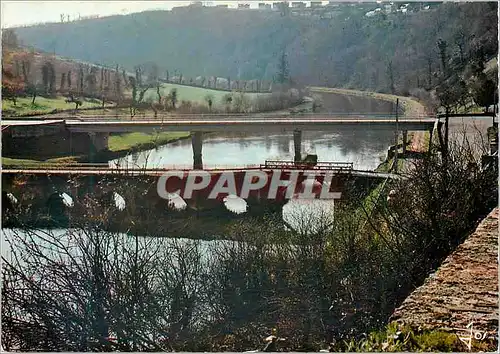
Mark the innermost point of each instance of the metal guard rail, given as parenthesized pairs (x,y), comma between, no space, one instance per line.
(325,163)
(302,165)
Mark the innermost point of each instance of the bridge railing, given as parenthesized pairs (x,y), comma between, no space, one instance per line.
(328,166)
(51,166)
(125,167)
(248,116)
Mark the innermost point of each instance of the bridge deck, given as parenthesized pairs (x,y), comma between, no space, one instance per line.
(235,123)
(271,124)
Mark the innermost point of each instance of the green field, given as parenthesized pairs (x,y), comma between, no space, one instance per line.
(42,105)
(117,143)
(194,94)
(125,142)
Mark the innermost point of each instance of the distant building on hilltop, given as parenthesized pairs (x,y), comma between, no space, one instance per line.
(298,5)
(279,5)
(316,4)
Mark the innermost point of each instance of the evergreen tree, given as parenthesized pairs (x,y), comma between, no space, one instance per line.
(283,71)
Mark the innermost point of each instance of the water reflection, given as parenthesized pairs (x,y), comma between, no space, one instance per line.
(364,147)
(235,204)
(308,215)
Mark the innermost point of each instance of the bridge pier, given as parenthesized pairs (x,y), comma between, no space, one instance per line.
(91,142)
(197,144)
(405,140)
(297,143)
(99,141)
(430,139)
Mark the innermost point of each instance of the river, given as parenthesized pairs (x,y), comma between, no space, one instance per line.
(366,149)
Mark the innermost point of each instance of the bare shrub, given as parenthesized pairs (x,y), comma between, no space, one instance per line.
(88,289)
(277,101)
(425,97)
(439,204)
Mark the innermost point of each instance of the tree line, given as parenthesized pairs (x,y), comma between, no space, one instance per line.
(394,52)
(27,73)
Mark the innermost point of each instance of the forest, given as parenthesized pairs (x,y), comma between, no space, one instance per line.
(396,52)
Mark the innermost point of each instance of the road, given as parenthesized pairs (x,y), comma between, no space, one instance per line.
(471,130)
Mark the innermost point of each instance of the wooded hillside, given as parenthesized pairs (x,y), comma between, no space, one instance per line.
(388,52)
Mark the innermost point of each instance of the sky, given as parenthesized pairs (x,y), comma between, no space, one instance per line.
(16,13)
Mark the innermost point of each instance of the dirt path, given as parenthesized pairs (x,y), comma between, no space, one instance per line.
(416,109)
(463,289)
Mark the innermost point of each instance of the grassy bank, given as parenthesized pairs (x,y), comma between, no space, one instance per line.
(42,105)
(334,283)
(140,141)
(411,108)
(119,145)
(12,162)
(194,94)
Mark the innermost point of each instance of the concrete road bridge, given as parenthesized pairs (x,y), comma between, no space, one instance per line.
(85,133)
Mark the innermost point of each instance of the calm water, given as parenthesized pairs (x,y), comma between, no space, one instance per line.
(362,147)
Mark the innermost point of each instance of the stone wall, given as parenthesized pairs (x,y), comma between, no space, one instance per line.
(59,142)
(463,290)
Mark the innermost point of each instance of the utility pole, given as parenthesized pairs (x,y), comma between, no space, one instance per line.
(446,130)
(396,147)
(494,113)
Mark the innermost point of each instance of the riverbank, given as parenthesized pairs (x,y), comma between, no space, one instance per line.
(125,144)
(132,142)
(119,146)
(129,143)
